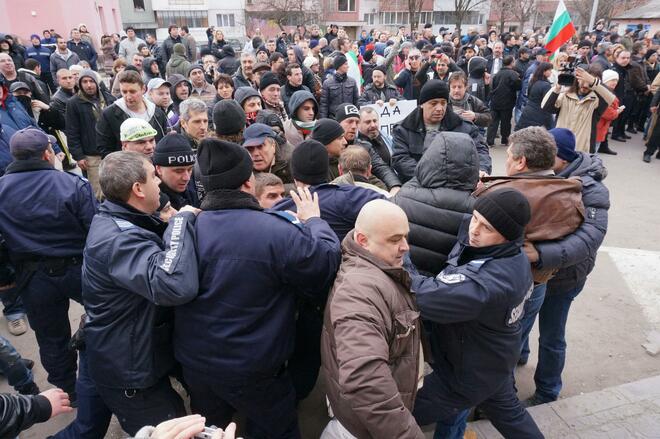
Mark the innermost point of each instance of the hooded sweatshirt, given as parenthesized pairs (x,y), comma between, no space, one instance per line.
(297,131)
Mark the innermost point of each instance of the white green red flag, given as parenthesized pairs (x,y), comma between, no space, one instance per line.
(561,31)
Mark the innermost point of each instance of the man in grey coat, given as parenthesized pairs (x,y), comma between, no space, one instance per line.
(63,57)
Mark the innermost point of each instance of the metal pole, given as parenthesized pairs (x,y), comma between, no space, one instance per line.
(594,10)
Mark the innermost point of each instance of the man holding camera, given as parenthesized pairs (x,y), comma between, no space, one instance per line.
(579,107)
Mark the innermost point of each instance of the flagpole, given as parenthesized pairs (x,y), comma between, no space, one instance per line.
(594,11)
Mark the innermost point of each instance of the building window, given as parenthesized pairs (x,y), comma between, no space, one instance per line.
(138,5)
(370,19)
(182,18)
(449,17)
(425,17)
(226,20)
(346,5)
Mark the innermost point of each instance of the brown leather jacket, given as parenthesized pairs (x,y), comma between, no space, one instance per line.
(556,205)
(370,347)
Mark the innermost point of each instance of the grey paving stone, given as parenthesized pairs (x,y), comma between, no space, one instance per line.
(584,405)
(642,389)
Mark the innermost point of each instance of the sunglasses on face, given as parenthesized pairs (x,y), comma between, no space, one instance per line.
(414,57)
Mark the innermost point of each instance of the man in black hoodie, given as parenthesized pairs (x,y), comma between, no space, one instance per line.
(82,112)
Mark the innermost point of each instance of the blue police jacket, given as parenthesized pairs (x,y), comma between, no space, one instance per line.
(473,308)
(13,117)
(135,267)
(41,54)
(252,267)
(44,213)
(339,204)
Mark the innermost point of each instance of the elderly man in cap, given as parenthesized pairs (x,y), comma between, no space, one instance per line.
(200,88)
(267,155)
(45,243)
(174,160)
(135,269)
(475,305)
(235,355)
(372,333)
(433,115)
(138,136)
(384,177)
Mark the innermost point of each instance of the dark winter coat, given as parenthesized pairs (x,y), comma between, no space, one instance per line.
(409,137)
(504,88)
(228,63)
(168,48)
(20,412)
(84,50)
(339,89)
(371,94)
(250,280)
(475,305)
(438,197)
(381,167)
(81,119)
(108,126)
(576,253)
(340,205)
(533,114)
(135,267)
(41,54)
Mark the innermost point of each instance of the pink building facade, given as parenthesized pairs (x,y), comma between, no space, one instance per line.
(26,17)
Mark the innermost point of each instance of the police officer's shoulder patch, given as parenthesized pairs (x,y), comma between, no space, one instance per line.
(286,216)
(451,278)
(123,224)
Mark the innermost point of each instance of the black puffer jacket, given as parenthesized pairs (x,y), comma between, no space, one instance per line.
(533,115)
(228,63)
(338,89)
(409,137)
(371,94)
(576,253)
(436,199)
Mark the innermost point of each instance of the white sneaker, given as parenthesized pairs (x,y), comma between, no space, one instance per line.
(18,326)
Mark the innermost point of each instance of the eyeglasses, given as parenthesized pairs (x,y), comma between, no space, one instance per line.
(414,57)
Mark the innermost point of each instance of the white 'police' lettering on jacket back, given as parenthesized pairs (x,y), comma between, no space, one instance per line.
(175,244)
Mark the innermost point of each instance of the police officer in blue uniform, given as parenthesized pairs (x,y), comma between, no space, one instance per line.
(136,268)
(235,338)
(45,216)
(473,309)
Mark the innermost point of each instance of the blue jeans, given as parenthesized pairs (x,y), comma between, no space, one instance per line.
(11,365)
(13,305)
(552,343)
(452,428)
(532,308)
(93,416)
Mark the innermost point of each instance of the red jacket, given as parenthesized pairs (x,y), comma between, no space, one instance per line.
(606,119)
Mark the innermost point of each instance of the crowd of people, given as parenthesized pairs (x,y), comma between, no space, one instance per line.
(240,223)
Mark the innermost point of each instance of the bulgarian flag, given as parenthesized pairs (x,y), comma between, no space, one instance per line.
(561,31)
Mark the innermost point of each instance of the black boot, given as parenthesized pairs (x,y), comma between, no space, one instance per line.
(605,149)
(647,157)
(29,389)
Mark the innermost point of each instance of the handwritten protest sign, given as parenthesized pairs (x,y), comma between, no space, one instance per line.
(390,115)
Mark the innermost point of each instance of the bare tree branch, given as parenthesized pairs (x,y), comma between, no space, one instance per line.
(462,8)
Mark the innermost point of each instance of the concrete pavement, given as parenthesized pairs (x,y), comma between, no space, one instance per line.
(608,323)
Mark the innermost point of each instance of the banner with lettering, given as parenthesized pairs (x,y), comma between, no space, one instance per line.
(390,115)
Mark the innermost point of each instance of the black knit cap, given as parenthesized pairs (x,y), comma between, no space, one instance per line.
(309,163)
(345,111)
(381,69)
(433,89)
(339,61)
(174,150)
(267,79)
(505,209)
(327,130)
(223,165)
(228,117)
